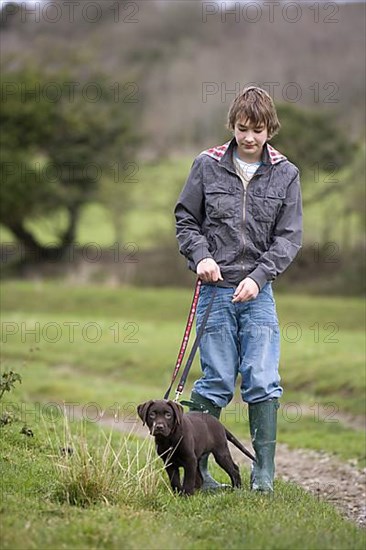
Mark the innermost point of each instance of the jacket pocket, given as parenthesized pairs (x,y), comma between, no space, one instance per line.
(265,207)
(219,203)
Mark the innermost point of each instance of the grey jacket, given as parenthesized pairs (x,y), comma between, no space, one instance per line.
(257,238)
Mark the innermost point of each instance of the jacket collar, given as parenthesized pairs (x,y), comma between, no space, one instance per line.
(223,154)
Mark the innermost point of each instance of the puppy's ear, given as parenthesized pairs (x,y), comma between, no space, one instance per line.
(142,410)
(178,412)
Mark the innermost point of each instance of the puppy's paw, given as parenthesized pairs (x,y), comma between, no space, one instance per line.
(186,493)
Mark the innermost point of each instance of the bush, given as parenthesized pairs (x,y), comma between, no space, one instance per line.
(311,139)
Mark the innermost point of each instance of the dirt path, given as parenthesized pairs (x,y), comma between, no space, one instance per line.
(341,484)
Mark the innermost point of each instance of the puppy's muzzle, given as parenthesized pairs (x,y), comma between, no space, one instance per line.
(159,428)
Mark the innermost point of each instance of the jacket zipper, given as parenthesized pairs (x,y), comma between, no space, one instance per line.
(244,190)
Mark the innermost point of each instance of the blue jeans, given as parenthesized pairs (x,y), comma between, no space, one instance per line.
(239,338)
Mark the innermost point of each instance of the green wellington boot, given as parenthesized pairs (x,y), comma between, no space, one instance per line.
(263,429)
(200,403)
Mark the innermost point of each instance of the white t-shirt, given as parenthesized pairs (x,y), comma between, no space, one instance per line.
(245,170)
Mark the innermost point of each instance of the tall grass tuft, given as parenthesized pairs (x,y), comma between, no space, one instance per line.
(89,472)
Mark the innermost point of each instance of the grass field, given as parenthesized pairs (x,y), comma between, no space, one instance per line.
(52,501)
(110,349)
(124,343)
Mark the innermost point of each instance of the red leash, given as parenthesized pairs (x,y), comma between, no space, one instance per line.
(187,332)
(183,347)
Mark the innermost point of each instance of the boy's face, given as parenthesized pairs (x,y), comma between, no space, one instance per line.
(250,140)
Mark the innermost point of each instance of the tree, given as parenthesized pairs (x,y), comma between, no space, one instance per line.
(312,139)
(59,141)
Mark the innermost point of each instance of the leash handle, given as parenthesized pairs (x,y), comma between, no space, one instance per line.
(187,332)
(195,345)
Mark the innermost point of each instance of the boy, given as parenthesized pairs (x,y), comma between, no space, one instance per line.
(239,224)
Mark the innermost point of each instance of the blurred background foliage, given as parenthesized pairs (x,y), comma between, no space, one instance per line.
(109,170)
(56,153)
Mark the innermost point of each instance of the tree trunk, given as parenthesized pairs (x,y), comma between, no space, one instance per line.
(34,252)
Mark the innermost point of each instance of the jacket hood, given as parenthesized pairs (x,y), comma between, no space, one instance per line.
(219,151)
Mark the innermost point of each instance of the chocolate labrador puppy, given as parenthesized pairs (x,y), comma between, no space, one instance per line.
(181,439)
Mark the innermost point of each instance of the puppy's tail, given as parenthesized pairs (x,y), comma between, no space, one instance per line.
(230,437)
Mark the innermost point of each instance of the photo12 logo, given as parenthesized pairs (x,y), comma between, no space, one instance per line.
(69,91)
(52,412)
(71,11)
(290,92)
(272,12)
(70,331)
(92,252)
(54,172)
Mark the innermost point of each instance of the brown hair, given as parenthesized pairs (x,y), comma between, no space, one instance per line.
(256,105)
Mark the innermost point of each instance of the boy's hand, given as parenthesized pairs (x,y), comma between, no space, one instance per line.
(208,271)
(247,289)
